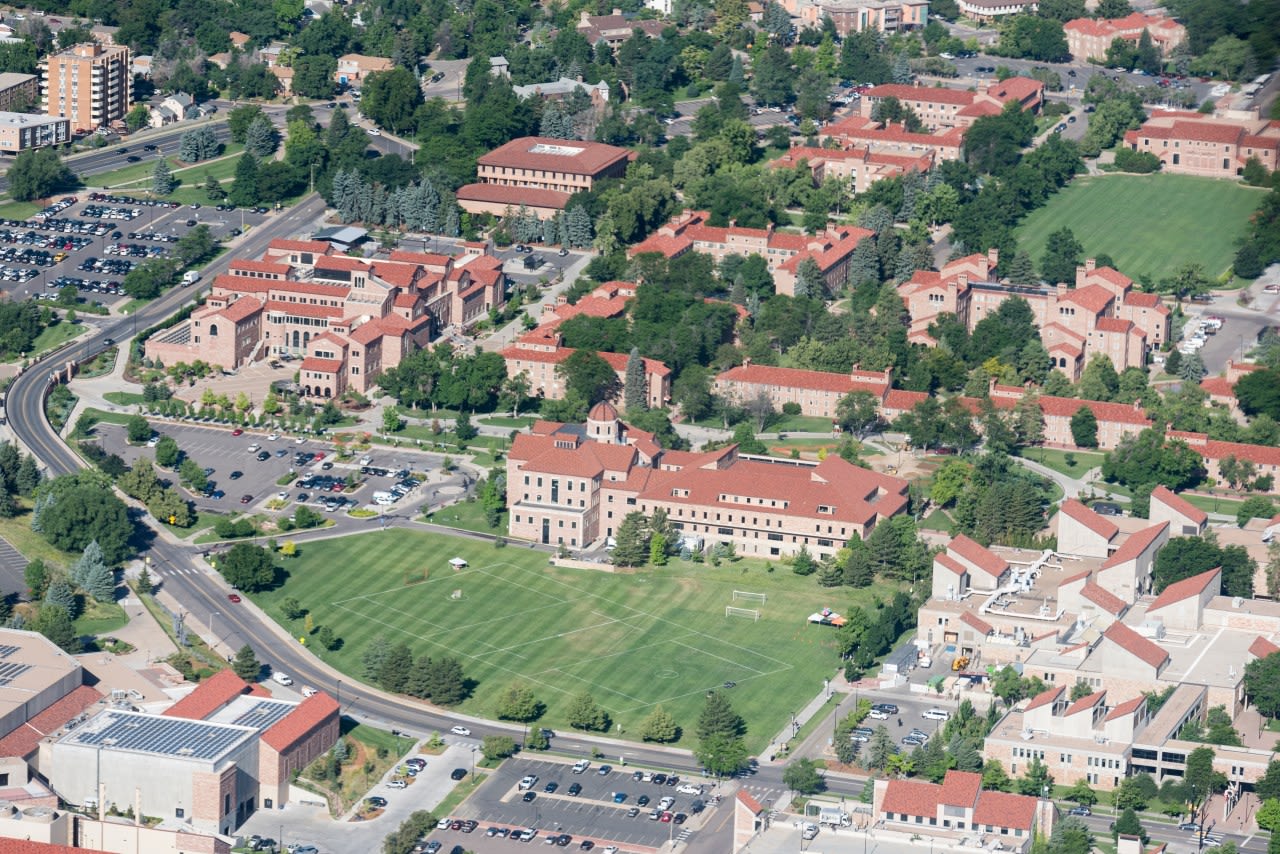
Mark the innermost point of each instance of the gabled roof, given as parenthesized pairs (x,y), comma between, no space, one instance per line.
(1186,588)
(311,713)
(1093,298)
(950,564)
(980,556)
(1261,647)
(797,378)
(927,94)
(960,788)
(977,622)
(1045,698)
(1103,598)
(1086,702)
(1179,505)
(210,695)
(911,797)
(744,797)
(1135,644)
(24,740)
(1126,708)
(1002,809)
(1137,543)
(1099,525)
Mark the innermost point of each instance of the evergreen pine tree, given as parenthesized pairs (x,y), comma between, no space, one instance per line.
(245,664)
(634,391)
(61,595)
(659,726)
(261,139)
(87,565)
(162,180)
(1022,270)
(244,190)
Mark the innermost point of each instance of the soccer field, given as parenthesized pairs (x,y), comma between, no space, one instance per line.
(1150,224)
(633,640)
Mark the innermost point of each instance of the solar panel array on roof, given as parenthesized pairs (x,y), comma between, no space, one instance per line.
(163,736)
(263,714)
(6,650)
(11,670)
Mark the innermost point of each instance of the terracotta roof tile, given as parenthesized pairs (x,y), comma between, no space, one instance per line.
(241,309)
(1099,525)
(253,266)
(1002,809)
(796,378)
(298,309)
(319,247)
(311,714)
(1103,598)
(24,740)
(1126,708)
(1114,324)
(1179,504)
(899,400)
(1135,644)
(960,788)
(1045,698)
(513,195)
(1121,413)
(26,846)
(924,94)
(911,797)
(1186,588)
(667,245)
(209,696)
(1094,298)
(744,797)
(1262,647)
(1086,702)
(541,153)
(982,626)
(944,560)
(322,366)
(1218,387)
(1136,543)
(982,557)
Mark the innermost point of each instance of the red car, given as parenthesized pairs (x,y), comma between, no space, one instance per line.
(237,432)
(234,598)
(318,457)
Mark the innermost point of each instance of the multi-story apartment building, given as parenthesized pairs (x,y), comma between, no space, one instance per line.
(574,484)
(990,11)
(1089,38)
(856,16)
(19,90)
(859,132)
(20,131)
(939,107)
(782,251)
(1190,143)
(1101,314)
(88,84)
(540,173)
(348,318)
(861,167)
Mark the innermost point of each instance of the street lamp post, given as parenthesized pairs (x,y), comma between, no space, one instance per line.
(473,763)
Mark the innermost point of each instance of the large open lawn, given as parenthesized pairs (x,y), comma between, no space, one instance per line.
(1150,224)
(634,640)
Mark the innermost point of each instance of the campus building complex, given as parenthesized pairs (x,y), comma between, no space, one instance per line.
(959,812)
(1102,313)
(1189,143)
(573,484)
(938,107)
(782,251)
(88,84)
(347,318)
(856,16)
(540,174)
(1089,38)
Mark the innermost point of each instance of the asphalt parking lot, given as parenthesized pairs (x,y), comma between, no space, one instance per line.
(37,244)
(592,814)
(216,448)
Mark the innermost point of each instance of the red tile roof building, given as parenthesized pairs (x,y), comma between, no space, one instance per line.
(347,318)
(859,133)
(960,804)
(860,167)
(540,173)
(1190,143)
(574,484)
(1101,314)
(1089,38)
(1184,518)
(817,392)
(616,28)
(939,107)
(782,251)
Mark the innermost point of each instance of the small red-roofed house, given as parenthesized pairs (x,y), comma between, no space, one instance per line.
(1181,605)
(1184,518)
(1081,531)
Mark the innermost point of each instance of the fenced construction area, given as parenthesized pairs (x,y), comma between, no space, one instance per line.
(633,640)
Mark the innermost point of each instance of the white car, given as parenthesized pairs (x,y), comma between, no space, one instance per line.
(301,440)
(460,730)
(936,714)
(528,782)
(153,441)
(396,784)
(373,132)
(271,437)
(689,789)
(308,691)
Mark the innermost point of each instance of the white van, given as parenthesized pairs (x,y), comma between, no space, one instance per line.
(282,678)
(190,277)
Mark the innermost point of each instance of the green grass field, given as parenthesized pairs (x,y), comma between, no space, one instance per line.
(1150,224)
(53,337)
(633,640)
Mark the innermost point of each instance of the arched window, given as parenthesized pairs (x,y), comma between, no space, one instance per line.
(213,329)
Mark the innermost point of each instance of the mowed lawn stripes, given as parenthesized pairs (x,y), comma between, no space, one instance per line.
(633,640)
(1150,224)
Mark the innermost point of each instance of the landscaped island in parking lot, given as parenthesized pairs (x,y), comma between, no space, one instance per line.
(633,640)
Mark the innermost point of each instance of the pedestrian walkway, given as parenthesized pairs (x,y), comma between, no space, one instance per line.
(801,718)
(91,391)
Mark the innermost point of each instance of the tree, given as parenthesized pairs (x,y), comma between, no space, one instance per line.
(859,413)
(1201,777)
(55,623)
(1062,254)
(1262,684)
(719,718)
(634,387)
(1258,393)
(446,682)
(167,452)
(248,567)
(722,754)
(327,638)
(261,139)
(389,99)
(495,747)
(588,377)
(144,583)
(38,173)
(137,429)
(61,594)
(246,664)
(37,578)
(659,726)
(198,144)
(313,76)
(239,119)
(880,748)
(584,714)
(1128,825)
(802,776)
(632,540)
(1037,780)
(396,669)
(517,703)
(1082,793)
(1033,37)
(79,512)
(162,180)
(1084,428)
(244,190)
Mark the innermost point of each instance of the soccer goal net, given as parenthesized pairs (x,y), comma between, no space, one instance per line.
(730,611)
(752,597)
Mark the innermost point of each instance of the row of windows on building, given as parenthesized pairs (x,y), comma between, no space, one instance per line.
(932,821)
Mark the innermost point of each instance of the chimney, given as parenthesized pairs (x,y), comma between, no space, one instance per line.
(993,257)
(962,281)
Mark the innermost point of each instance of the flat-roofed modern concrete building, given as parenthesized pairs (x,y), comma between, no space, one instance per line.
(21,131)
(19,90)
